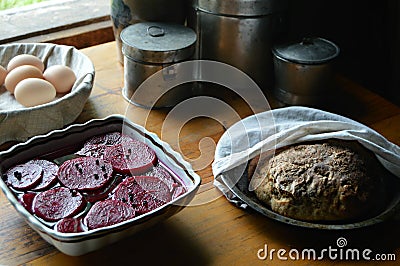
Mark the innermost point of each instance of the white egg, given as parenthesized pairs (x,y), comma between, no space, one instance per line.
(25,59)
(20,73)
(62,77)
(34,91)
(3,74)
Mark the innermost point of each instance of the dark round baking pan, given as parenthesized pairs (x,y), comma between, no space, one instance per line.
(241,190)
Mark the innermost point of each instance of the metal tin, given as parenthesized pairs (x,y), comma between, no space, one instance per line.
(241,7)
(149,47)
(128,12)
(303,70)
(309,51)
(240,33)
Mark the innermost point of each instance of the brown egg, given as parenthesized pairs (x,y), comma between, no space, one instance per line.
(3,74)
(25,59)
(62,77)
(34,91)
(20,73)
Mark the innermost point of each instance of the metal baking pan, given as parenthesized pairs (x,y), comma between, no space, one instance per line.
(241,190)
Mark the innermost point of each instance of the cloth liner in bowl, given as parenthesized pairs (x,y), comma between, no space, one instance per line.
(18,123)
(278,128)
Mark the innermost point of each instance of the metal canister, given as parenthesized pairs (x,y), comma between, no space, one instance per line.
(128,12)
(150,48)
(240,33)
(303,70)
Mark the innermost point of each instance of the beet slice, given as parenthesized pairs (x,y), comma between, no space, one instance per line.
(155,187)
(164,175)
(130,157)
(69,225)
(92,151)
(27,201)
(24,176)
(143,201)
(108,212)
(57,203)
(103,193)
(125,140)
(85,173)
(178,192)
(49,174)
(105,139)
(96,145)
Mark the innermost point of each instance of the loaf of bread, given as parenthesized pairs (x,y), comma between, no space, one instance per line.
(332,180)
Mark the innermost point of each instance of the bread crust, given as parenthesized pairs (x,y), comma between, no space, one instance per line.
(332,180)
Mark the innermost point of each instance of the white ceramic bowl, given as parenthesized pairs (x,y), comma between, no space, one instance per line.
(59,143)
(18,123)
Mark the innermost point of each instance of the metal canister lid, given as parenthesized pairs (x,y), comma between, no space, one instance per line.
(241,7)
(159,43)
(309,51)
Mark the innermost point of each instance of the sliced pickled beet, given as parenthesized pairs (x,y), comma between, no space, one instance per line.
(126,140)
(145,202)
(85,173)
(108,212)
(27,201)
(142,201)
(105,139)
(49,174)
(130,157)
(178,192)
(92,151)
(155,187)
(69,225)
(24,176)
(164,175)
(103,193)
(96,145)
(57,203)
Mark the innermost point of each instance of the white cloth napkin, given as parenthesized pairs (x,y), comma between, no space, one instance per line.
(285,126)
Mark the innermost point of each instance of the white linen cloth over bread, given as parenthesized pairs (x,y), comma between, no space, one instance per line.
(281,127)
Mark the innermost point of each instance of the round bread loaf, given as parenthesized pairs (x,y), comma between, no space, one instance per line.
(327,181)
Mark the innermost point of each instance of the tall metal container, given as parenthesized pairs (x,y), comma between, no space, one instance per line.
(240,33)
(303,70)
(128,12)
(151,47)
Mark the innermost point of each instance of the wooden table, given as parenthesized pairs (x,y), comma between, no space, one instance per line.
(217,232)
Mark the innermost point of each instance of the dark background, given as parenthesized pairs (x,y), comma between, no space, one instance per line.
(367,32)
